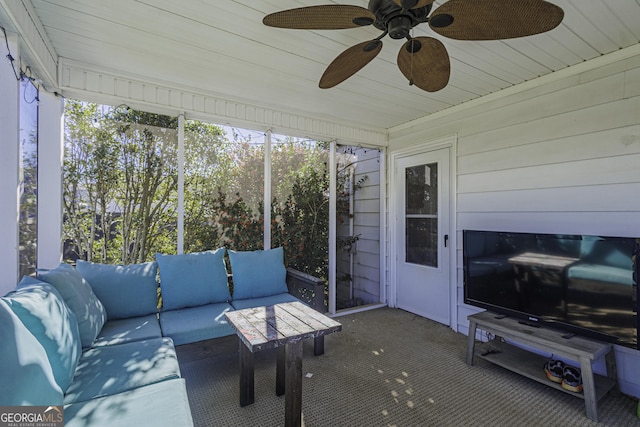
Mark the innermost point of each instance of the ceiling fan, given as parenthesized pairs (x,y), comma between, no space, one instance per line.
(424,61)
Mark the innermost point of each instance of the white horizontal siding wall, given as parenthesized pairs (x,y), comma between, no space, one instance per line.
(366,269)
(560,155)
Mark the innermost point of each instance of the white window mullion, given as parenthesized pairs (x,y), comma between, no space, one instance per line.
(267,190)
(332,226)
(181,162)
(50,162)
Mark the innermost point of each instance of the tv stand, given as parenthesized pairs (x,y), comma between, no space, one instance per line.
(580,349)
(533,325)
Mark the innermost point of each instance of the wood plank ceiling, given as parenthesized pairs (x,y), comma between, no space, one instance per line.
(222,48)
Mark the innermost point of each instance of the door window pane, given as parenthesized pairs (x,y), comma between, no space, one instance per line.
(422,241)
(422,190)
(421,211)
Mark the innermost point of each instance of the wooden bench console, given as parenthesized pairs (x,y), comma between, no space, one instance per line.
(582,350)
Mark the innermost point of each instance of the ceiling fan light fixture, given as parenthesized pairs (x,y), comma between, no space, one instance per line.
(441,20)
(399,27)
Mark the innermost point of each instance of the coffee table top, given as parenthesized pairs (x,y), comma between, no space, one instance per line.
(267,327)
(543,260)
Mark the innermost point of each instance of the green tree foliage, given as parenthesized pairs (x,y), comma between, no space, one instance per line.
(300,223)
(120,183)
(121,187)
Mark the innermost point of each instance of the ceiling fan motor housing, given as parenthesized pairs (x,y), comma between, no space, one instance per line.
(392,18)
(399,26)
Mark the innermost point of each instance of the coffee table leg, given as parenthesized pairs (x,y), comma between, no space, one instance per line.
(318,346)
(246,376)
(293,389)
(280,369)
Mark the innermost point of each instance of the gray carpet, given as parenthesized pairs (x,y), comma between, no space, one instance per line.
(386,368)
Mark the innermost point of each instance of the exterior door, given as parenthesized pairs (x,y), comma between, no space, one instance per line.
(423,260)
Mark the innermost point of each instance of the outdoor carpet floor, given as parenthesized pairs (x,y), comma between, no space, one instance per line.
(387,367)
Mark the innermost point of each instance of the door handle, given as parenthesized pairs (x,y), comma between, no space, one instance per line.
(446,239)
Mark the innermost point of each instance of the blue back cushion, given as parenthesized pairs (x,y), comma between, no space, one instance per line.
(610,252)
(124,290)
(27,377)
(79,296)
(42,310)
(191,280)
(258,273)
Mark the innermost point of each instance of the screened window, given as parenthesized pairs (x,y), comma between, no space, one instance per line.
(28,173)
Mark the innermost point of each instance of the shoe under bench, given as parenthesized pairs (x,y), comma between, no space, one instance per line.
(562,345)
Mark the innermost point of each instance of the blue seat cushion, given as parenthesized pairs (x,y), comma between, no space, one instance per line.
(160,404)
(239,304)
(124,290)
(197,323)
(601,273)
(43,311)
(113,369)
(258,273)
(121,331)
(27,377)
(190,280)
(80,298)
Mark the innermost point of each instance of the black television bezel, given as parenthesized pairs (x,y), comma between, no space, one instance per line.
(535,320)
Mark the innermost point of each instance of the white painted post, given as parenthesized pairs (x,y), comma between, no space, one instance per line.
(267,190)
(332,226)
(9,197)
(50,162)
(181,161)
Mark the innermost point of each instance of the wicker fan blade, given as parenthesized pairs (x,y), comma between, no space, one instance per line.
(425,62)
(494,19)
(418,3)
(349,62)
(327,17)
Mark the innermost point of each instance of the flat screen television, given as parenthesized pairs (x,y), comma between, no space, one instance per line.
(587,285)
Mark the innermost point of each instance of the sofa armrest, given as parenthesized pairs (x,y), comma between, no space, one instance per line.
(307,288)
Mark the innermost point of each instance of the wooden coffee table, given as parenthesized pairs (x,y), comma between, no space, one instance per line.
(282,326)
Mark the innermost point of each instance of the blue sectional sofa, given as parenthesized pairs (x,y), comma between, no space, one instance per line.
(92,338)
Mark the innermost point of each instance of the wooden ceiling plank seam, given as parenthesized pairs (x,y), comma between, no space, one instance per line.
(143,51)
(471,77)
(515,62)
(579,23)
(540,55)
(572,43)
(474,53)
(125,39)
(610,24)
(629,17)
(558,51)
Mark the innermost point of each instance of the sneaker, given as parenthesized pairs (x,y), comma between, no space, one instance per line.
(554,370)
(572,379)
